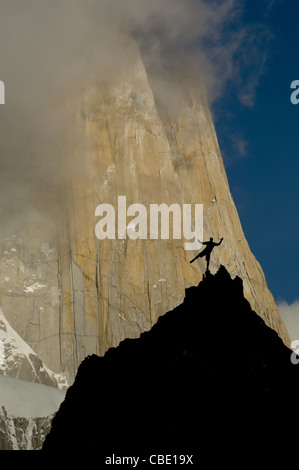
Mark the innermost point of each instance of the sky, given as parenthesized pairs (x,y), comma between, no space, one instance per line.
(260,146)
(243,51)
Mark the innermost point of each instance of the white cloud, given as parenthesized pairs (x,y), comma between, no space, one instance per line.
(52,50)
(290,315)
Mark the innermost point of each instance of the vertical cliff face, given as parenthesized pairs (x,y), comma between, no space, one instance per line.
(137,150)
(77,295)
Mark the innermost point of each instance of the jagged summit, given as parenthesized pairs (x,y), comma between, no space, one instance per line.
(209,375)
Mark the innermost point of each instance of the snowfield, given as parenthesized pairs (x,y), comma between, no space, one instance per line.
(22,399)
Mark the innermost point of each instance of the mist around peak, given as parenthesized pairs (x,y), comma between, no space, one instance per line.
(51,51)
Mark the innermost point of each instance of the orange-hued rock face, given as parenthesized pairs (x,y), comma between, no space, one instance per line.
(89,294)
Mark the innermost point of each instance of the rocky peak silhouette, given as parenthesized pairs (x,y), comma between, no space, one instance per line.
(209,375)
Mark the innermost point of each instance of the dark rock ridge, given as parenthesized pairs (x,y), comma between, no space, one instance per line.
(209,379)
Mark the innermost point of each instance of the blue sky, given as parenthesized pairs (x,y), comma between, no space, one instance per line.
(260,145)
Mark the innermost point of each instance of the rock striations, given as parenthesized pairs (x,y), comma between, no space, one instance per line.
(210,379)
(113,289)
(71,295)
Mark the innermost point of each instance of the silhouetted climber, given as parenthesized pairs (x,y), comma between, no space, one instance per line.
(207,251)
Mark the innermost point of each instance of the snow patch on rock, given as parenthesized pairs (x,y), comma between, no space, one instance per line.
(19,360)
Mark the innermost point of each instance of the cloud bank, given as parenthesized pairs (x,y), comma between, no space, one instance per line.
(290,315)
(50,49)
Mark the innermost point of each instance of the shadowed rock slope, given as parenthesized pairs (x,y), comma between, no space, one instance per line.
(210,378)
